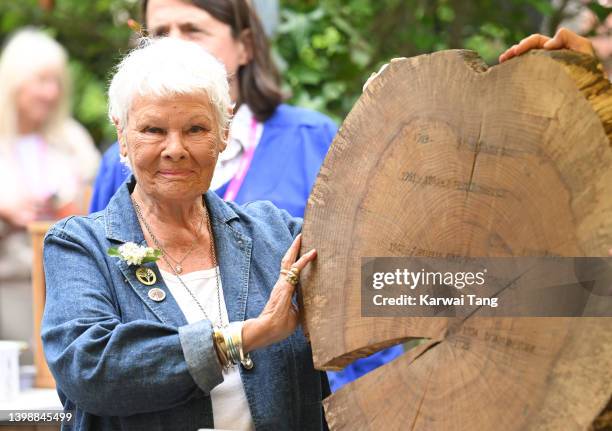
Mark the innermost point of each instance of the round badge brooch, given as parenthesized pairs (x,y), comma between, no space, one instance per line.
(146,276)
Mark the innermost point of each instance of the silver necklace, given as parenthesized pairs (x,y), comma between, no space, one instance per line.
(178,264)
(178,268)
(219,322)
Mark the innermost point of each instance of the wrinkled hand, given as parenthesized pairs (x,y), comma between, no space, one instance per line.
(564,39)
(280,316)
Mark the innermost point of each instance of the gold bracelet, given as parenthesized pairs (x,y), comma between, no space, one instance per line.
(221,349)
(232,343)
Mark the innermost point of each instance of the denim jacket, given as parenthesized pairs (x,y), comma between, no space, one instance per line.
(123,361)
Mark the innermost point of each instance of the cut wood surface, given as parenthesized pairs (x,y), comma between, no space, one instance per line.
(443,156)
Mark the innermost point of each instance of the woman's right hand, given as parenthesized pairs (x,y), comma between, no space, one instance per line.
(280,316)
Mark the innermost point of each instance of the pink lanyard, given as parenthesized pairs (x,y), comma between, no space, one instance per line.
(245,163)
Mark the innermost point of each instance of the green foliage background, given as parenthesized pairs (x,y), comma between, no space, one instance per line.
(326,49)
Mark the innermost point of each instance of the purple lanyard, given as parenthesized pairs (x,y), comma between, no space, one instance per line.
(245,163)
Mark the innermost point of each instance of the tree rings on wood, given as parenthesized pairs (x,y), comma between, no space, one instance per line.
(443,156)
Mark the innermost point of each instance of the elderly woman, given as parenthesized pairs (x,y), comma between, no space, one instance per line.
(171,309)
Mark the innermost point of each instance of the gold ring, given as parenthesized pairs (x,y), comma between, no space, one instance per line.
(292,275)
(293,270)
(291,279)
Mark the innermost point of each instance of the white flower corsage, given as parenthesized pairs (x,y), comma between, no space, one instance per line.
(135,254)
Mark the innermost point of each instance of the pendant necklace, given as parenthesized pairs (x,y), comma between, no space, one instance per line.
(218,323)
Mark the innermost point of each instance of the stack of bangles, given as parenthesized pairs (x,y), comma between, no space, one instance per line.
(228,340)
(228,344)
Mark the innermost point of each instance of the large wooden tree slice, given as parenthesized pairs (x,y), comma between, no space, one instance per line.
(443,156)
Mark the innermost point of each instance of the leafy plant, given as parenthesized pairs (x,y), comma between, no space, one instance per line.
(330,47)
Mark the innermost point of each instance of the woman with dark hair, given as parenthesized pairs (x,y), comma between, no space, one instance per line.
(256,82)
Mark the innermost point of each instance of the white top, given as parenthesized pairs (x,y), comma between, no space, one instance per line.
(240,135)
(229,402)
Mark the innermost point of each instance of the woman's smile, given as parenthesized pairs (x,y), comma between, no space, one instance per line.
(175,173)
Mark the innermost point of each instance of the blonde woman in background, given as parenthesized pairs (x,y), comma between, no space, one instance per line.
(47,160)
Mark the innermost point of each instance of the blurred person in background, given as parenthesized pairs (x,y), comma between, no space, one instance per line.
(47,160)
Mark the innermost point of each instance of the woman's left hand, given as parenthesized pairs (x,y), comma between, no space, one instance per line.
(563,39)
(280,316)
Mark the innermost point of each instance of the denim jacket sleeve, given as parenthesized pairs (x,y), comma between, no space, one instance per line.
(109,367)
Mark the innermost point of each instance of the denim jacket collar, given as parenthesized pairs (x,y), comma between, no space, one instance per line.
(233,249)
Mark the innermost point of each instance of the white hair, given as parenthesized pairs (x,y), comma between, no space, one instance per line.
(26,53)
(164,67)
